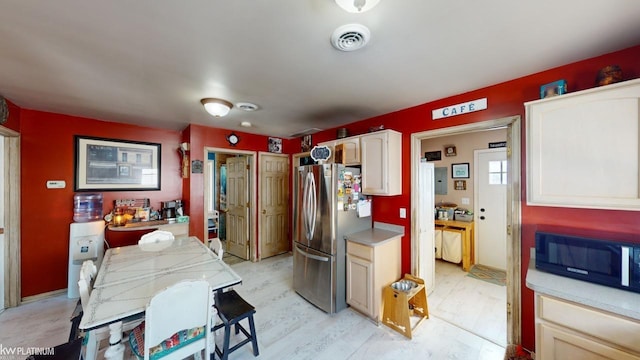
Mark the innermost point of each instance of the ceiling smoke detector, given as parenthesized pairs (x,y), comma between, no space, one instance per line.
(350,37)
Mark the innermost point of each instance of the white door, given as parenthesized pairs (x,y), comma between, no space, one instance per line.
(490,180)
(427,257)
(237,224)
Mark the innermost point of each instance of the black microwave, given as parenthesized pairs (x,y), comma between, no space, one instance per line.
(604,262)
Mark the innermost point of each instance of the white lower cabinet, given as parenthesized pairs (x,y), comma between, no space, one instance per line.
(369,269)
(566,330)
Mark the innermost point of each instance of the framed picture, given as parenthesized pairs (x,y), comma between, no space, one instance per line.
(275,145)
(460,184)
(459,171)
(116,165)
(433,155)
(450,150)
(305,145)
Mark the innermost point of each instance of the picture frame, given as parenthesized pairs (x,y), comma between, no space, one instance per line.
(275,145)
(460,184)
(450,150)
(103,164)
(460,171)
(433,155)
(305,144)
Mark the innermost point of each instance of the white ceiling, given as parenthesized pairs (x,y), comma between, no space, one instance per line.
(149,62)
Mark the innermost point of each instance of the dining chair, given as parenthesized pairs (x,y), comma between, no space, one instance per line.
(156,240)
(232,309)
(92,339)
(216,246)
(177,323)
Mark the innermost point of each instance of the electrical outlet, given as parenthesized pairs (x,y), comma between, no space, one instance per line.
(465,201)
(403,213)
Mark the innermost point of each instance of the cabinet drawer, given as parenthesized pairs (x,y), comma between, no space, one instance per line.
(359,250)
(613,329)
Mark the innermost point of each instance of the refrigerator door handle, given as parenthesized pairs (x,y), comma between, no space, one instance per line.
(311,256)
(309,205)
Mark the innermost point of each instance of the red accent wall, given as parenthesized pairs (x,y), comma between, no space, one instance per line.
(47,153)
(507,99)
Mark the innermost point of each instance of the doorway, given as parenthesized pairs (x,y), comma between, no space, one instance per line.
(273,220)
(10,219)
(512,208)
(230,198)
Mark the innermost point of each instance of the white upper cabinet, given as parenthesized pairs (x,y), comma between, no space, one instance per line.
(381,156)
(348,150)
(583,148)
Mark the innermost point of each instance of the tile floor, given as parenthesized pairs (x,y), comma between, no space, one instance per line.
(290,328)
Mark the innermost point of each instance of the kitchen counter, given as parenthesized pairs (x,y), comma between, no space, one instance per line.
(621,302)
(378,235)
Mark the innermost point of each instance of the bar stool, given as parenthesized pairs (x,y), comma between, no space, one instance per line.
(232,308)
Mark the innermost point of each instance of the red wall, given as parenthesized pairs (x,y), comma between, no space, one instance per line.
(47,153)
(507,99)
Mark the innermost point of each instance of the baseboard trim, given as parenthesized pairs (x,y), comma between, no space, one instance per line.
(32,298)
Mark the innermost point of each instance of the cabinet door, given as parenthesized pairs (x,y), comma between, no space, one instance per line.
(381,157)
(359,284)
(560,344)
(351,149)
(583,148)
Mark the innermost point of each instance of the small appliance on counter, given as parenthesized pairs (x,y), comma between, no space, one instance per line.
(171,210)
(604,262)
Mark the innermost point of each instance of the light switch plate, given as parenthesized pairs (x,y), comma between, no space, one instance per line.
(465,201)
(56,184)
(403,213)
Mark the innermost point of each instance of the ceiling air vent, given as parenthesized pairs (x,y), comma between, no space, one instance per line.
(350,37)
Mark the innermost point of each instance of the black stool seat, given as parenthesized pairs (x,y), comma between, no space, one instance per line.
(68,351)
(232,308)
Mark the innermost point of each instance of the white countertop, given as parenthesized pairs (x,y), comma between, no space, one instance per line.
(373,237)
(621,302)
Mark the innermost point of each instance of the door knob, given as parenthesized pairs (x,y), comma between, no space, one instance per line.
(264,211)
(481,209)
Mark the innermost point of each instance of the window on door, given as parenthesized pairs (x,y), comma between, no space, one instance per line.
(498,172)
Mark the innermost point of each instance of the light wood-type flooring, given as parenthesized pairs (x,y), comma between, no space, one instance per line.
(290,328)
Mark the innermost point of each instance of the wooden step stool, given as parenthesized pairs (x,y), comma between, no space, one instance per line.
(400,306)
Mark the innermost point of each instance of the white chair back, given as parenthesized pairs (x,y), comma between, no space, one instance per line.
(216,246)
(156,240)
(184,305)
(85,292)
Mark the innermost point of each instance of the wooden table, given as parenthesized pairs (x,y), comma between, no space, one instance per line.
(468,244)
(129,277)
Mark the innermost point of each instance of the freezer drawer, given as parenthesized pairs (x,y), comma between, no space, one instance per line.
(314,277)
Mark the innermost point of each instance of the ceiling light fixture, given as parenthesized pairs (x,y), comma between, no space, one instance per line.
(216,107)
(357,6)
(245,124)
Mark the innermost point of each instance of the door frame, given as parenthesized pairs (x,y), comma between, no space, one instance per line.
(12,285)
(514,241)
(252,171)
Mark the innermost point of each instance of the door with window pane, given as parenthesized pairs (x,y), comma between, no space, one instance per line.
(490,207)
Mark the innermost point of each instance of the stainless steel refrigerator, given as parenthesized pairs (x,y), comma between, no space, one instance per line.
(326,198)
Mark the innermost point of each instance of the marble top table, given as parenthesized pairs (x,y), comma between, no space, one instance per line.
(126,263)
(129,277)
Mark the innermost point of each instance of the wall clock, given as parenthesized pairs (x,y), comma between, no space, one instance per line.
(233,139)
(4,110)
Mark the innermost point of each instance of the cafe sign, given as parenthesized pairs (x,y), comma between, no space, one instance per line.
(459,109)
